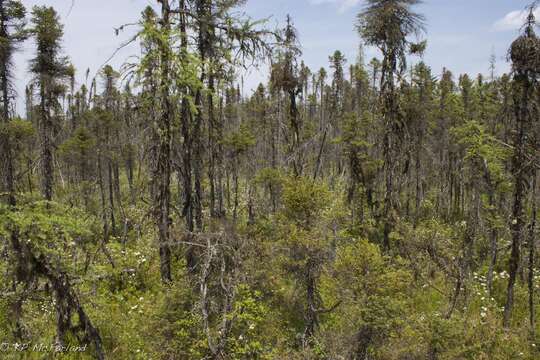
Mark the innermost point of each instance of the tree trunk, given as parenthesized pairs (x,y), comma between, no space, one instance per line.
(532,258)
(162,171)
(47,169)
(7,162)
(522,98)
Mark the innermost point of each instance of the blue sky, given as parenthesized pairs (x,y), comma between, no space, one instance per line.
(461,33)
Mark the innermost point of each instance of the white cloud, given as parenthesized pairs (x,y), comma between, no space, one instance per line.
(343,5)
(514,20)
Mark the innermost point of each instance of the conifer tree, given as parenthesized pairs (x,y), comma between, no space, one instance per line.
(285,77)
(388,24)
(525,55)
(50,70)
(12,34)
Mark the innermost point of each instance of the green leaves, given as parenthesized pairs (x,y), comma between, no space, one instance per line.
(248,336)
(241,140)
(48,32)
(304,200)
(17,129)
(81,142)
(482,149)
(387,24)
(50,229)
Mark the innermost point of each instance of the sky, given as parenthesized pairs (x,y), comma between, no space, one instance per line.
(461,34)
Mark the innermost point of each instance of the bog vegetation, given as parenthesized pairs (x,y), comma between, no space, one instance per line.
(369,210)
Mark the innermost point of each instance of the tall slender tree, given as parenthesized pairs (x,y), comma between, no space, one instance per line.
(156,36)
(49,69)
(163,132)
(285,77)
(525,56)
(12,34)
(388,25)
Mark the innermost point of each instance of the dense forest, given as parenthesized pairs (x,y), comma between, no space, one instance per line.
(367,210)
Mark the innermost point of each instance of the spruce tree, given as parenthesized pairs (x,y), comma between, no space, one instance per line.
(388,24)
(50,69)
(525,56)
(12,34)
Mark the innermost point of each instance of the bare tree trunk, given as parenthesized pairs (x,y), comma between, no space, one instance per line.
(532,258)
(116,183)
(296,157)
(186,163)
(47,169)
(6,160)
(130,177)
(212,149)
(390,153)
(197,165)
(220,163)
(203,14)
(312,305)
(162,171)
(319,156)
(389,192)
(235,180)
(111,193)
(104,209)
(187,147)
(493,252)
(418,179)
(68,302)
(520,190)
(7,168)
